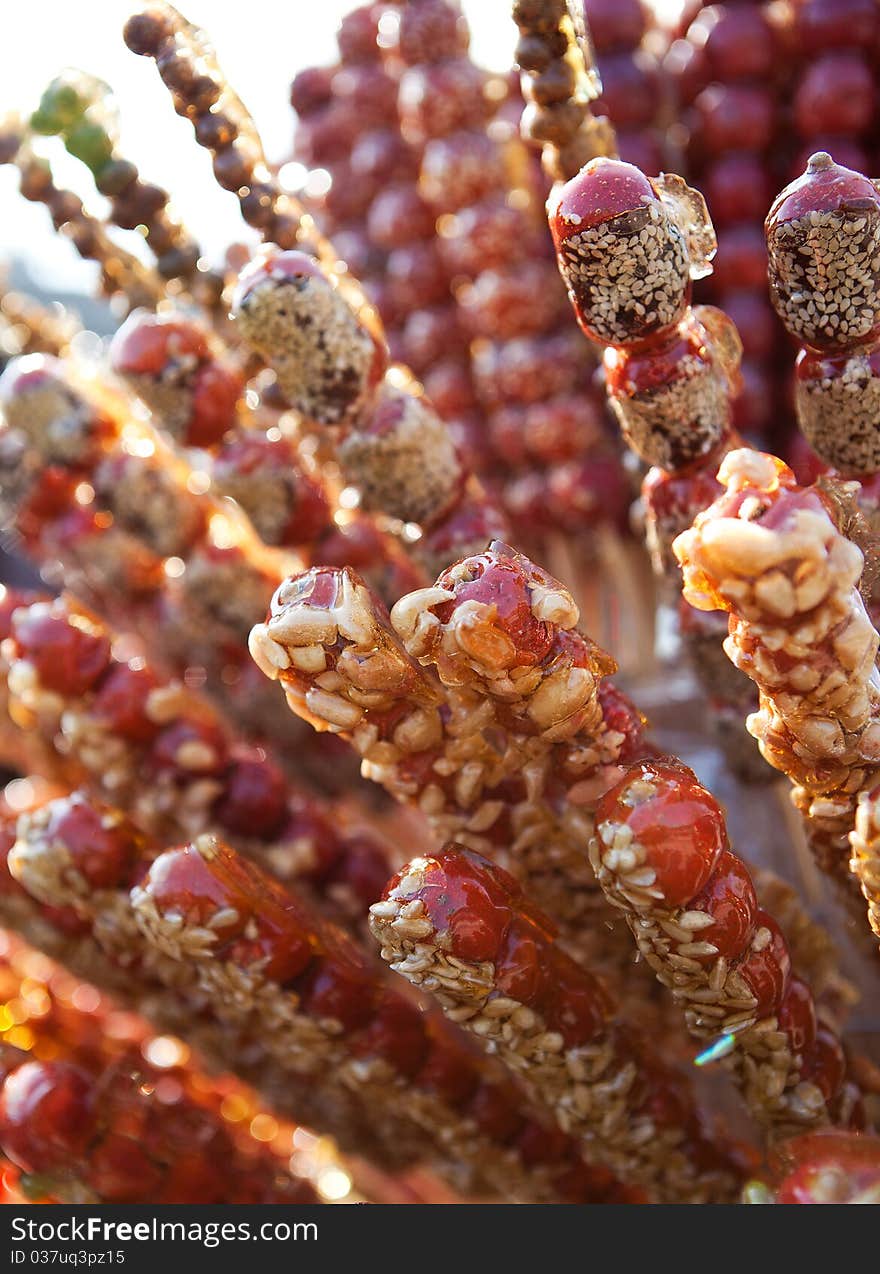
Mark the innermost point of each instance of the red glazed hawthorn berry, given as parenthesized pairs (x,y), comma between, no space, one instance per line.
(825,1063)
(395,1034)
(216,390)
(121,702)
(829,1166)
(46,1118)
(766,966)
(68,652)
(679,824)
(616,24)
(738,41)
(339,990)
(362,867)
(103,847)
(148,344)
(311,89)
(254,800)
(797,1016)
(450,1072)
(728,896)
(836,95)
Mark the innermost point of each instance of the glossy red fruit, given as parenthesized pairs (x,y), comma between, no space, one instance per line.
(357,34)
(442,98)
(67,651)
(262,924)
(416,276)
(398,216)
(742,259)
(825,1063)
(502,304)
(820,25)
(738,41)
(311,89)
(381,158)
(830,1166)
(632,89)
(729,898)
(338,988)
(254,800)
(615,24)
(495,1112)
(679,824)
(121,702)
(836,95)
(766,967)
(450,1072)
(737,187)
(797,1016)
(484,236)
(729,113)
(216,391)
(473,916)
(621,716)
(395,1033)
(46,1118)
(362,867)
(603,190)
(149,344)
(502,582)
(431,31)
(102,846)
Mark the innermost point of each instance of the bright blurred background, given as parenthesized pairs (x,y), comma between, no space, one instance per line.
(261,44)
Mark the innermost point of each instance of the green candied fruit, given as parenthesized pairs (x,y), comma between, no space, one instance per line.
(60,107)
(35,1185)
(89,143)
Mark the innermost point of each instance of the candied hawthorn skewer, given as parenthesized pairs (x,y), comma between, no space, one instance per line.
(331,362)
(769,553)
(559,82)
(102,1137)
(501,631)
(629,248)
(823,234)
(193,388)
(404,444)
(222,125)
(61,427)
(460,927)
(155,1113)
(478,767)
(88,485)
(530,377)
(662,856)
(117,721)
(78,108)
(270,989)
(122,273)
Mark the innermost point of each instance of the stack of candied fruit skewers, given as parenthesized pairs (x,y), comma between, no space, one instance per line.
(456,925)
